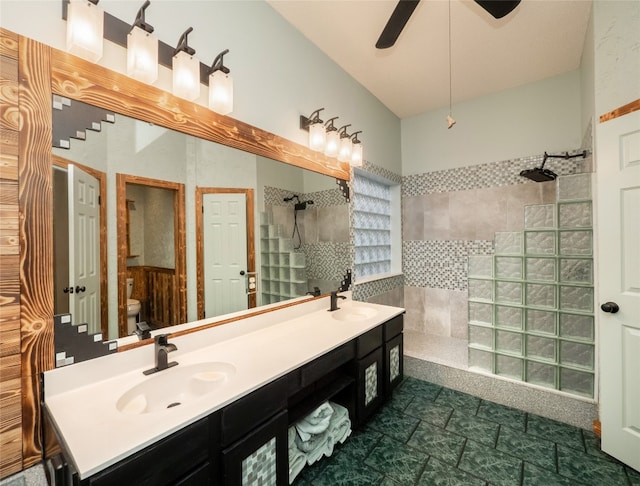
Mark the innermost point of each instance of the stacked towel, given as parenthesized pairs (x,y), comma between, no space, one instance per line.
(339,425)
(297,458)
(315,423)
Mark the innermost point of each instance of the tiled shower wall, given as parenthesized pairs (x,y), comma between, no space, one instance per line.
(452,214)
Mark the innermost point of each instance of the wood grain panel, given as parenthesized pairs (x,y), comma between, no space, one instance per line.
(10,415)
(8,43)
(10,360)
(80,80)
(36,235)
(622,110)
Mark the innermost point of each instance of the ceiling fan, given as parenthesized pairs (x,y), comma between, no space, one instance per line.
(404,9)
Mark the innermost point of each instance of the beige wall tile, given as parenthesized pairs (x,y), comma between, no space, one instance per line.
(394,298)
(491,212)
(459,314)
(548,192)
(412,218)
(519,196)
(333,223)
(437,313)
(307,225)
(462,215)
(414,298)
(436,216)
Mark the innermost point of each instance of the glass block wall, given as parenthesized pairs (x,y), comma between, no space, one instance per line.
(531,303)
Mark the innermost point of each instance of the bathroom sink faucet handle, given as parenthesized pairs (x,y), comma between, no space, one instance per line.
(334,300)
(162,347)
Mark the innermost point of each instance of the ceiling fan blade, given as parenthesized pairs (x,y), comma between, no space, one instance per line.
(396,23)
(498,8)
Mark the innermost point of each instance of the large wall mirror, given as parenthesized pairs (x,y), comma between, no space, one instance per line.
(194,229)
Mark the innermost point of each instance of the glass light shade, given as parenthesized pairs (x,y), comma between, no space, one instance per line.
(85,25)
(356,155)
(221,93)
(332,144)
(186,76)
(344,153)
(317,136)
(142,55)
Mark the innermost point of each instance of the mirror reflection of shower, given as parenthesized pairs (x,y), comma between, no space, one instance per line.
(298,206)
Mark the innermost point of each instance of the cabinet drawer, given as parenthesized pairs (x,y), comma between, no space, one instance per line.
(326,363)
(393,327)
(369,341)
(248,412)
(165,462)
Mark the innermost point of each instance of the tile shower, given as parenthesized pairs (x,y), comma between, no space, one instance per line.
(523,325)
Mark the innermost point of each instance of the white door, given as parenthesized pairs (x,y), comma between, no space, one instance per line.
(618,177)
(84,248)
(225,253)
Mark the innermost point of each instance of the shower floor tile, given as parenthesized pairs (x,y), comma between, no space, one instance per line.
(431,435)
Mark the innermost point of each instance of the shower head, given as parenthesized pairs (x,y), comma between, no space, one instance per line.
(302,205)
(538,174)
(291,198)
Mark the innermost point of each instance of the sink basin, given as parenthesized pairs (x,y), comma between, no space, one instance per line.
(355,314)
(174,387)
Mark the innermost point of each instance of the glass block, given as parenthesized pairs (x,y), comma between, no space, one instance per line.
(510,317)
(577,354)
(541,374)
(576,270)
(479,312)
(541,295)
(508,267)
(510,342)
(541,269)
(508,292)
(576,326)
(576,298)
(541,348)
(576,243)
(480,289)
(508,243)
(509,366)
(573,381)
(540,321)
(540,243)
(573,187)
(540,216)
(481,336)
(481,360)
(480,266)
(574,215)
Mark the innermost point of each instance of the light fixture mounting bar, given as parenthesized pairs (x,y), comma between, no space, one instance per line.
(116,31)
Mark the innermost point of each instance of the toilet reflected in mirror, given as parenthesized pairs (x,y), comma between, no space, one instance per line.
(133,308)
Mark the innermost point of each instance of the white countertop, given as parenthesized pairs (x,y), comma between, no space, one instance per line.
(81,399)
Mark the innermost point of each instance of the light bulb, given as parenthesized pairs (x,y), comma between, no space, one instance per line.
(142,55)
(221,92)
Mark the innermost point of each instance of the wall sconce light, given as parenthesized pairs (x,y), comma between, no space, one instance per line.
(344,152)
(220,86)
(333,138)
(317,131)
(142,50)
(356,150)
(85,25)
(186,69)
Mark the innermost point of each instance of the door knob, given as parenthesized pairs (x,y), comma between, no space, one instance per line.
(68,290)
(610,307)
(80,289)
(241,272)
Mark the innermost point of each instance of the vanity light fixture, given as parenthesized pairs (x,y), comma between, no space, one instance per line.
(220,86)
(333,138)
(317,131)
(356,150)
(85,25)
(142,49)
(344,152)
(186,69)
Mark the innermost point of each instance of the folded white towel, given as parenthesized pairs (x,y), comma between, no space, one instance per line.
(316,422)
(321,413)
(314,442)
(340,425)
(323,444)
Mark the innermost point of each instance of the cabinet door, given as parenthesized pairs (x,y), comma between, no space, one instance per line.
(393,364)
(369,378)
(259,458)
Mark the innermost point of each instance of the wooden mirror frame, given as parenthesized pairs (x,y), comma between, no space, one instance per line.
(44,71)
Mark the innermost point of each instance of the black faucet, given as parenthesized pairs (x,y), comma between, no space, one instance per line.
(334,300)
(315,292)
(162,348)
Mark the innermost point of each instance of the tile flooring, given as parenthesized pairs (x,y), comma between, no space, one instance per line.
(430,435)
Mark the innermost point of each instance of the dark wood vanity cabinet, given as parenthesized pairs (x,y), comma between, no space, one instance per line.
(246,442)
